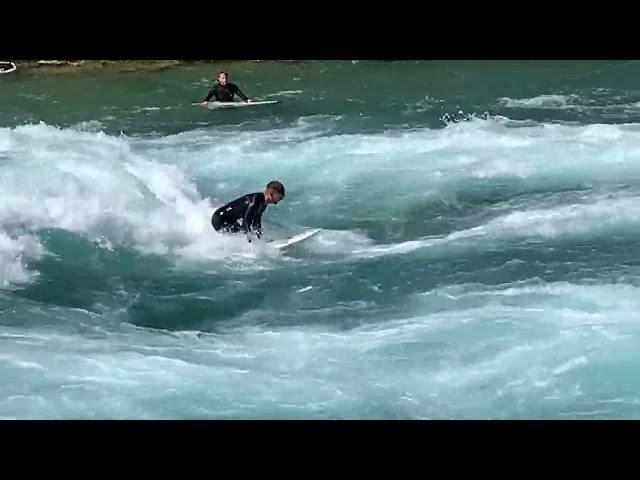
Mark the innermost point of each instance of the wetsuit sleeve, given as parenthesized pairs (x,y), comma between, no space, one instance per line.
(249,214)
(211,93)
(238,92)
(258,222)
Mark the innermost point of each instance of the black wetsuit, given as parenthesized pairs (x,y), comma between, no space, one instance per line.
(225,93)
(244,214)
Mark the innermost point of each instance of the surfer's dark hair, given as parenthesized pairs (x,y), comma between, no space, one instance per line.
(277,186)
(226,74)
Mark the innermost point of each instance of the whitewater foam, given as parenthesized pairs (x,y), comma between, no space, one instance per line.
(15,255)
(94,185)
(142,193)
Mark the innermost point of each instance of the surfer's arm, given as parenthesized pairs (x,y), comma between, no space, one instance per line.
(247,219)
(240,93)
(211,93)
(256,227)
(257,223)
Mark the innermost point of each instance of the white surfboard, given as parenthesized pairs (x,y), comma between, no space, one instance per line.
(7,67)
(215,105)
(300,237)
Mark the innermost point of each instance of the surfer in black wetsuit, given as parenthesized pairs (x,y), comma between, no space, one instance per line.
(224,91)
(244,214)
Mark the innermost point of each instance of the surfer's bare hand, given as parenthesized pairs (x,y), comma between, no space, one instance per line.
(250,100)
(204,104)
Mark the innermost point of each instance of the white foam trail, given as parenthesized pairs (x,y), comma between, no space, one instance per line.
(598,298)
(616,107)
(89,126)
(541,101)
(601,216)
(145,109)
(604,215)
(570,365)
(336,242)
(284,93)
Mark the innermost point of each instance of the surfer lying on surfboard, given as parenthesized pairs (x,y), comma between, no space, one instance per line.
(225,91)
(244,214)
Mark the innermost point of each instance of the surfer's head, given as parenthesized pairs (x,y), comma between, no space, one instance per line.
(222,78)
(274,192)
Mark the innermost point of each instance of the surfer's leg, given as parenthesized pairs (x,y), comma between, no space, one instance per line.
(216,222)
(221,224)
